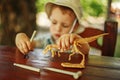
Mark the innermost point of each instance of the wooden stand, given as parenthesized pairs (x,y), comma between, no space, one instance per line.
(109,41)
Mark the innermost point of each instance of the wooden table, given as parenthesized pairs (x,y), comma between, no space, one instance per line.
(97,67)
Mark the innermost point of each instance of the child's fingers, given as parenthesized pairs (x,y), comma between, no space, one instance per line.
(23,43)
(29,45)
(24,47)
(64,42)
(63,46)
(61,43)
(71,38)
(58,43)
(67,42)
(19,46)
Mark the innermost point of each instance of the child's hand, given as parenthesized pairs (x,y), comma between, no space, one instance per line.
(66,40)
(23,43)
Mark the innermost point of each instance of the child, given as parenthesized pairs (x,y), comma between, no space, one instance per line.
(65,24)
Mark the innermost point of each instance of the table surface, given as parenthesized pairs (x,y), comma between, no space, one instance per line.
(97,67)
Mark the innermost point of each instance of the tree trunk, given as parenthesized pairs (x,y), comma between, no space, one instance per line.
(108,9)
(16,16)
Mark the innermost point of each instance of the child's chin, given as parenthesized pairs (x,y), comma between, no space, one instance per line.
(56,38)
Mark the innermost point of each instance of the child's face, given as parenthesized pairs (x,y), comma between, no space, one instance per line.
(61,23)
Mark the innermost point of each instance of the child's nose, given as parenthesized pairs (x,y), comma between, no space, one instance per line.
(58,28)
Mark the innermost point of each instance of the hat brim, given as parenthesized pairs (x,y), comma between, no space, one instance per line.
(77,12)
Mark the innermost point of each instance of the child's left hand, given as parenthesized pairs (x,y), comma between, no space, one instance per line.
(66,40)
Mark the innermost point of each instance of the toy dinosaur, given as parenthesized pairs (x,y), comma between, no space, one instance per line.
(77,43)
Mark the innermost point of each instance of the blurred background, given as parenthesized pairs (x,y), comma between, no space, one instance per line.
(27,15)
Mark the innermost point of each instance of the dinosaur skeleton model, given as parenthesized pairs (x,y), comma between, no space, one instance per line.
(77,43)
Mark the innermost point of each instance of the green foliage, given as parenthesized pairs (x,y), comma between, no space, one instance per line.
(40,4)
(115,0)
(90,7)
(94,7)
(117,49)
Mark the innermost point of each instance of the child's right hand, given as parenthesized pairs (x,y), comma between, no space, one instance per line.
(23,43)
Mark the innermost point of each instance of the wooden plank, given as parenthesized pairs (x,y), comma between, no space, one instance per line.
(104,61)
(107,73)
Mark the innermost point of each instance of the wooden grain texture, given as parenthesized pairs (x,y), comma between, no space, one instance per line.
(97,67)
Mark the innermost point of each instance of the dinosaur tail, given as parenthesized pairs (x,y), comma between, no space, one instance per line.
(90,39)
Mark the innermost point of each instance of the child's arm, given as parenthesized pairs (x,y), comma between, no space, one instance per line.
(23,43)
(66,40)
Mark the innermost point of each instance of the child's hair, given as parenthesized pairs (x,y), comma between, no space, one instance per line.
(64,10)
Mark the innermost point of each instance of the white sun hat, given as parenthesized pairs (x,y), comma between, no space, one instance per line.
(72,4)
